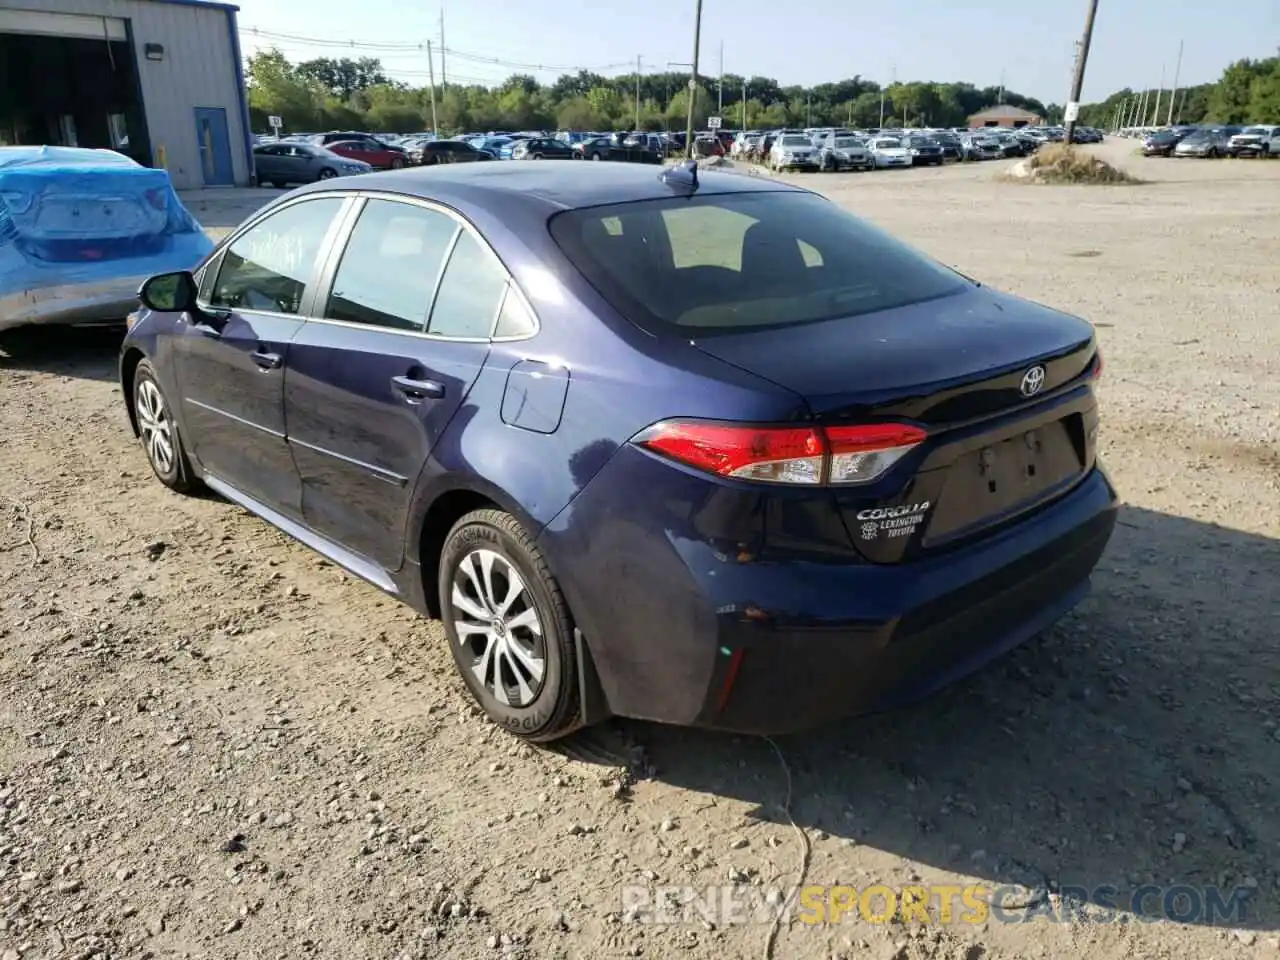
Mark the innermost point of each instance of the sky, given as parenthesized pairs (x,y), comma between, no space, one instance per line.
(1027,43)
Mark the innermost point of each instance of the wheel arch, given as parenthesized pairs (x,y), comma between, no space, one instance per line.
(444,508)
(129,361)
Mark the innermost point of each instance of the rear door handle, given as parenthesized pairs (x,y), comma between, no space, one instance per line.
(415,391)
(267,361)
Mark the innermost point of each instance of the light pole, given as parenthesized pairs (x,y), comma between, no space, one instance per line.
(693,77)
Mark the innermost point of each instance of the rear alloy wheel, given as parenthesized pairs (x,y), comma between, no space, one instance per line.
(396,163)
(508,627)
(158,432)
(328,173)
(595,156)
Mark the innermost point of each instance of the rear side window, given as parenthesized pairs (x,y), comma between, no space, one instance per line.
(470,291)
(734,262)
(267,267)
(389,268)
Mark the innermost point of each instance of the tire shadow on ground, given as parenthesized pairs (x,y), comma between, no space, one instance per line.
(85,353)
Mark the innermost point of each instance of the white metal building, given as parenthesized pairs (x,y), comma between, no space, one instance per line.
(160,80)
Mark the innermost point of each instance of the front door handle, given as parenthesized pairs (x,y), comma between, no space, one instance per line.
(415,391)
(267,361)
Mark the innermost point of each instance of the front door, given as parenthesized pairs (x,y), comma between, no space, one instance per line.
(232,354)
(373,385)
(215,147)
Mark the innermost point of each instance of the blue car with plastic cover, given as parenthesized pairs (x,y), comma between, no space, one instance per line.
(81,229)
(692,447)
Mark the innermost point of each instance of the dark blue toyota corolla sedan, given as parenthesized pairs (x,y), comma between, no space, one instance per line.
(703,449)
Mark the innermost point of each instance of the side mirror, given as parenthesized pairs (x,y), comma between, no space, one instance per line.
(169,292)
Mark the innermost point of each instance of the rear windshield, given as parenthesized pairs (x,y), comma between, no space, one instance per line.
(734,262)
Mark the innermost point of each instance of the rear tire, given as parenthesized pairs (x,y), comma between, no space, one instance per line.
(396,163)
(328,173)
(508,627)
(159,432)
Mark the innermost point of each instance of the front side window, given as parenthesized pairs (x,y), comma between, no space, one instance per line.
(730,263)
(388,270)
(267,267)
(470,290)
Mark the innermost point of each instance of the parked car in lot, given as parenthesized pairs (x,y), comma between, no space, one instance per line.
(793,151)
(376,154)
(81,229)
(1255,141)
(280,164)
(612,148)
(844,152)
(543,148)
(1206,142)
(863,476)
(979,146)
(1161,143)
(452,151)
(889,152)
(924,151)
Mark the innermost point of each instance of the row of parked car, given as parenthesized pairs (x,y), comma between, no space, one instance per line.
(306,157)
(1228,140)
(832,149)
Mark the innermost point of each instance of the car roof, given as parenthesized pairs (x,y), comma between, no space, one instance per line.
(554,186)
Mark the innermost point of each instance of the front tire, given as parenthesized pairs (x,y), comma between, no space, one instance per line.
(159,433)
(508,627)
(328,173)
(396,163)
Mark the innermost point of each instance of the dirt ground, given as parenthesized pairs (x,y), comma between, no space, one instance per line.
(214,744)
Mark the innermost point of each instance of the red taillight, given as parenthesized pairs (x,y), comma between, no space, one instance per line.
(157,199)
(784,454)
(1097,365)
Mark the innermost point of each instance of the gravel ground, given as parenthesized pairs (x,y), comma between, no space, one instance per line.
(215,744)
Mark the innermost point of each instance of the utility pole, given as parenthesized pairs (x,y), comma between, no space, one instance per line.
(637,92)
(444,79)
(1000,95)
(1077,81)
(431,75)
(720,85)
(1155,115)
(1141,118)
(893,78)
(744,105)
(693,77)
(808,109)
(1173,91)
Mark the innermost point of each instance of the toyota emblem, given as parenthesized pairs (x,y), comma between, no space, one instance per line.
(1033,381)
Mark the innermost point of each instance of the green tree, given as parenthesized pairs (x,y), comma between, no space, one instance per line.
(341,78)
(1231,98)
(577,113)
(276,88)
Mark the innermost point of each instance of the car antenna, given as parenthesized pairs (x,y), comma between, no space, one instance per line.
(684,174)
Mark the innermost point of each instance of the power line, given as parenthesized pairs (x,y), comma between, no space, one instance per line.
(409,47)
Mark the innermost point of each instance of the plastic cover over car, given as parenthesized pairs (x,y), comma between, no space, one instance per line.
(81,229)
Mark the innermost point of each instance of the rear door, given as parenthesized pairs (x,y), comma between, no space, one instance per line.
(398,340)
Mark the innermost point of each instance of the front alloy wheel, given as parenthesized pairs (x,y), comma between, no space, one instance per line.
(508,627)
(158,431)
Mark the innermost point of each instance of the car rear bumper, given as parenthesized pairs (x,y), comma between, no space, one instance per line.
(685,628)
(96,301)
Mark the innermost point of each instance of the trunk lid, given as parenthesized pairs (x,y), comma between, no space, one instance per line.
(956,366)
(102,215)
